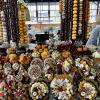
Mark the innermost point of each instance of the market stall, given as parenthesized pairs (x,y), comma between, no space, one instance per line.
(56,70)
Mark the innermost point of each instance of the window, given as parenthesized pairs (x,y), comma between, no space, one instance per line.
(44,12)
(93,11)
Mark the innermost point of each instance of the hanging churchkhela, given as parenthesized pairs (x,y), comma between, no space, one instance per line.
(10,10)
(88,19)
(76,20)
(1,33)
(60,6)
(3,28)
(22,25)
(62,14)
(75,15)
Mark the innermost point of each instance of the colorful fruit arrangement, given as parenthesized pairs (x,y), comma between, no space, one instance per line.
(58,74)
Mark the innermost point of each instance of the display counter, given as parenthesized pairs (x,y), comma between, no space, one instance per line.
(64,73)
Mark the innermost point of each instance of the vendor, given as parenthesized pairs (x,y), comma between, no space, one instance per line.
(94,40)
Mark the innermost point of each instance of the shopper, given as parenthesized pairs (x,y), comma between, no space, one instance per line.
(94,40)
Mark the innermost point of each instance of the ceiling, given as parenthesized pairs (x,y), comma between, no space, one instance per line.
(30,1)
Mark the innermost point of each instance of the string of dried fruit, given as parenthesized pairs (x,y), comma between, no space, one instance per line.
(14,21)
(6,18)
(4,31)
(80,19)
(11,18)
(63,8)
(1,33)
(60,6)
(0,5)
(71,19)
(75,18)
(67,16)
(88,18)
(63,21)
(84,22)
(22,25)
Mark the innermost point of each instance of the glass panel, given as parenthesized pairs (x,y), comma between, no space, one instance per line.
(46,19)
(42,13)
(52,19)
(39,7)
(45,7)
(57,19)
(33,7)
(33,13)
(40,19)
(52,7)
(57,7)
(57,13)
(93,5)
(54,13)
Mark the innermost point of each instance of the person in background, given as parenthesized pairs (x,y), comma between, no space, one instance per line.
(31,33)
(93,42)
(30,37)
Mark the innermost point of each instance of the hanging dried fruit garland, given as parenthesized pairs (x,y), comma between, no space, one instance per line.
(85,20)
(88,18)
(80,19)
(62,13)
(60,6)
(66,19)
(1,30)
(76,20)
(11,18)
(4,30)
(22,25)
